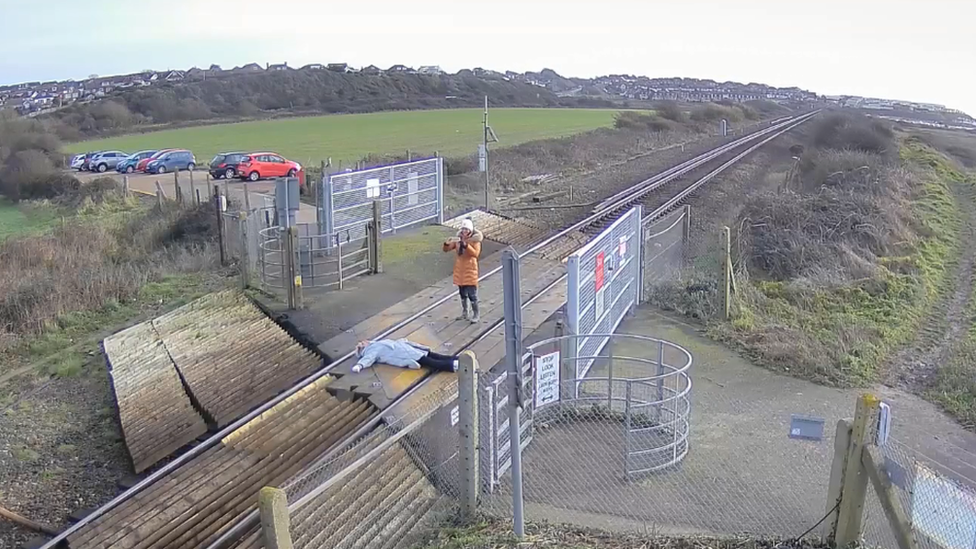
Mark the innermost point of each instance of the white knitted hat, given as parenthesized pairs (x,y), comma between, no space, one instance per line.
(467,224)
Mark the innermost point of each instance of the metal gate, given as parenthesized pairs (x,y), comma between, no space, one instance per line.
(409,193)
(604,285)
(494,425)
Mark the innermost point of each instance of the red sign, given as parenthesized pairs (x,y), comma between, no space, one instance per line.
(599,271)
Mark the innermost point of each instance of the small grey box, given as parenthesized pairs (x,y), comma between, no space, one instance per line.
(806,427)
(896,473)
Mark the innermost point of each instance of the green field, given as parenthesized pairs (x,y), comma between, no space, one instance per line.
(19,219)
(350,137)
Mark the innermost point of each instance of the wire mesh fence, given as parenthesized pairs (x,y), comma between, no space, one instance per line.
(655,460)
(937,494)
(389,486)
(665,240)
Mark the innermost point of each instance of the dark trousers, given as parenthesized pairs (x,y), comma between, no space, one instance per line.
(469,292)
(439,362)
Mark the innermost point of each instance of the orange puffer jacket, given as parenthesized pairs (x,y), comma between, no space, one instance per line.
(466,262)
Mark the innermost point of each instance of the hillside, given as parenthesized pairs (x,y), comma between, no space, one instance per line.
(293,92)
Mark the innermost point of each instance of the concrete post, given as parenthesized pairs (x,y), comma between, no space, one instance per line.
(468,432)
(193,187)
(273,509)
(376,253)
(850,510)
(125,186)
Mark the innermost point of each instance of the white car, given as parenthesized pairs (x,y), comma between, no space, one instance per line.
(76,161)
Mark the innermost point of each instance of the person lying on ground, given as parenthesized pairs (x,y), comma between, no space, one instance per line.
(402,353)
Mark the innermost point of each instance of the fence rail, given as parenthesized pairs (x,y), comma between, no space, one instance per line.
(323,261)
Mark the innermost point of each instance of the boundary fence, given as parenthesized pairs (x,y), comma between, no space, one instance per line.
(409,193)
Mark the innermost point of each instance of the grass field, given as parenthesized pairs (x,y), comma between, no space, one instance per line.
(18,219)
(350,137)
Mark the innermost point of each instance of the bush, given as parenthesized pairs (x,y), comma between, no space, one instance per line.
(633,120)
(669,110)
(853,132)
(711,112)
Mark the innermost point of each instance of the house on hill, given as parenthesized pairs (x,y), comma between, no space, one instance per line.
(195,73)
(430,70)
(250,67)
(314,67)
(175,76)
(338,67)
(215,69)
(400,69)
(371,70)
(279,67)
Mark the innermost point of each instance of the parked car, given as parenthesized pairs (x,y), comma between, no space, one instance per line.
(76,161)
(102,161)
(258,165)
(174,160)
(86,162)
(128,164)
(225,164)
(141,166)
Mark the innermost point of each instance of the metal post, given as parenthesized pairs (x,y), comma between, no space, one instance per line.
(485,145)
(296,266)
(440,191)
(245,260)
(468,432)
(220,225)
(339,258)
(273,509)
(287,264)
(727,270)
(686,228)
(660,380)
(377,238)
(193,186)
(513,348)
(627,424)
(178,192)
(610,373)
(572,318)
(638,251)
(393,226)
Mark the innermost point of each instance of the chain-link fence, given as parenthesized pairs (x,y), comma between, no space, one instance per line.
(391,484)
(936,491)
(665,241)
(630,454)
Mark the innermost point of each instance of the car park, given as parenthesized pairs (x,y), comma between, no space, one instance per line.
(260,165)
(86,161)
(174,160)
(106,160)
(129,164)
(141,166)
(224,165)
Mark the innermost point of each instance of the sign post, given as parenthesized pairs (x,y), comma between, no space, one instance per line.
(513,351)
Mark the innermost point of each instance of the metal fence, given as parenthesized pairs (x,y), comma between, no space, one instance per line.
(665,240)
(604,284)
(408,193)
(323,261)
(495,435)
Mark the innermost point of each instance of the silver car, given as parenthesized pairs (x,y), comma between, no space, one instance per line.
(107,160)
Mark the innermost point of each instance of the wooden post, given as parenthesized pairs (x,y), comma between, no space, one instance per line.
(850,510)
(378,239)
(247,197)
(842,442)
(159,190)
(273,510)
(125,186)
(176,184)
(686,227)
(468,432)
(727,270)
(220,225)
(193,189)
(293,270)
(900,524)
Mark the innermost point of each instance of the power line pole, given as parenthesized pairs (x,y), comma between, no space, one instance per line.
(488,136)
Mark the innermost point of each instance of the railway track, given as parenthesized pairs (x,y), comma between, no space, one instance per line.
(554,246)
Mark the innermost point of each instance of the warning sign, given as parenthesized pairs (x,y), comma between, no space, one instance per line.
(546,379)
(599,271)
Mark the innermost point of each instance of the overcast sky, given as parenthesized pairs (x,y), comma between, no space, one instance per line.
(913,50)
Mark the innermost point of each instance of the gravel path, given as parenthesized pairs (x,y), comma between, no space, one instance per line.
(60,449)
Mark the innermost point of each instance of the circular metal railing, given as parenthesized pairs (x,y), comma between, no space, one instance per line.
(640,383)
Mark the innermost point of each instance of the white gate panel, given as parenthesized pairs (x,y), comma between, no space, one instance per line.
(604,285)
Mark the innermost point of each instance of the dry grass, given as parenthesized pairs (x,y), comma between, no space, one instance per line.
(497,534)
(101,257)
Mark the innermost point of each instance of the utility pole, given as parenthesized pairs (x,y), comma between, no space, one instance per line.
(488,136)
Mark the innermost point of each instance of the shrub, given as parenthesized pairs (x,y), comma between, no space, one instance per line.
(844,131)
(638,121)
(669,110)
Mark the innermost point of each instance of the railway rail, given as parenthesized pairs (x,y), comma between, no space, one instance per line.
(592,223)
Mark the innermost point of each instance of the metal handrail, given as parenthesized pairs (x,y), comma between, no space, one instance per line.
(211,441)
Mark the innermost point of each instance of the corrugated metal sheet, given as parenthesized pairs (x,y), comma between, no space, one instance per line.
(232,357)
(156,414)
(195,504)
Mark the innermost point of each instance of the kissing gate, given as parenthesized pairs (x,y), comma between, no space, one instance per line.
(650,391)
(409,193)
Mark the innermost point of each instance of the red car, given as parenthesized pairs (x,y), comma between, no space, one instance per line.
(260,165)
(141,166)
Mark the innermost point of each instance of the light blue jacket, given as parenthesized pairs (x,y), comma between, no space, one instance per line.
(400,352)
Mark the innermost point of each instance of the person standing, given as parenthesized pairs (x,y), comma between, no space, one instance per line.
(467,244)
